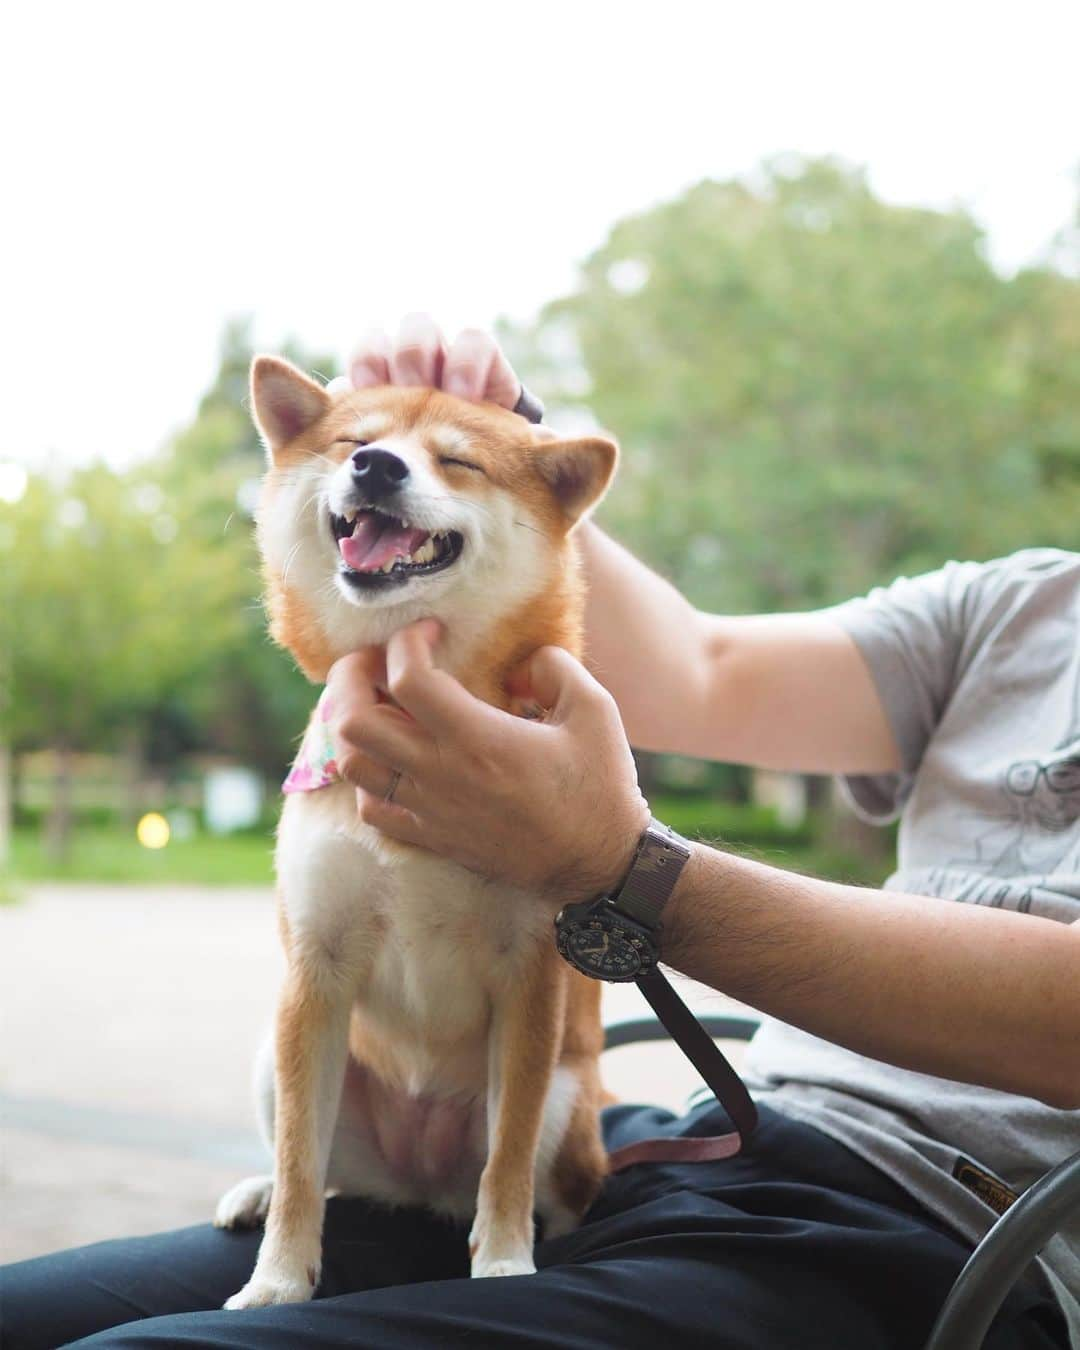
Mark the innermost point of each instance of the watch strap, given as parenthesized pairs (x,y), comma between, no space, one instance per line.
(661,855)
(702,1052)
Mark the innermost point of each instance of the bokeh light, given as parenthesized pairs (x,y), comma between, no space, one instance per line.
(13,482)
(153,830)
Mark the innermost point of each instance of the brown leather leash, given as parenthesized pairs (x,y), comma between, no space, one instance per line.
(726,1085)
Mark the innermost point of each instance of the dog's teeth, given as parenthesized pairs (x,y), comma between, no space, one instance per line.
(426,552)
(349,517)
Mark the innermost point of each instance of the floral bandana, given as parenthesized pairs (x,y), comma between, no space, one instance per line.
(314,766)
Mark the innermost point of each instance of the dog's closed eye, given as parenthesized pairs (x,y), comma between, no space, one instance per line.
(450,460)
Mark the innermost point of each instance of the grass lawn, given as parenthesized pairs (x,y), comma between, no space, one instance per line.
(113,855)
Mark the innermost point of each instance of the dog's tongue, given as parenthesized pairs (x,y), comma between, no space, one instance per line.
(376,540)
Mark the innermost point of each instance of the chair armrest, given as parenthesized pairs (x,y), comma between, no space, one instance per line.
(1003,1255)
(721,1027)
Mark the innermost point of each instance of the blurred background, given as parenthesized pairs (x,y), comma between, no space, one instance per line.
(818,268)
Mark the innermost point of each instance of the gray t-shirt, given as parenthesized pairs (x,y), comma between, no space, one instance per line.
(978,668)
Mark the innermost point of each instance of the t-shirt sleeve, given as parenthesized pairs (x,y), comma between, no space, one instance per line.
(911,635)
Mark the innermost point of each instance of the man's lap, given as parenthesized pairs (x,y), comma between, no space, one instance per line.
(795,1242)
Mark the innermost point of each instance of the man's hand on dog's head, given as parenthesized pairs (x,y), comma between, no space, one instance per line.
(473,366)
(551,804)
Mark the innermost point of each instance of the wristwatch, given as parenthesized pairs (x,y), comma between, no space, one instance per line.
(616,937)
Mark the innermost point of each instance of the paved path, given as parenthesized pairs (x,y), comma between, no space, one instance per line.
(129,1019)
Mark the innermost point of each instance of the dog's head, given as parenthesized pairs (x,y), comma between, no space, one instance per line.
(387,505)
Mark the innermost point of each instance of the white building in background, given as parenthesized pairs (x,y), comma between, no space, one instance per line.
(232,799)
(786,793)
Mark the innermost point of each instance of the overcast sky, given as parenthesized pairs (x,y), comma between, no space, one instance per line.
(325,166)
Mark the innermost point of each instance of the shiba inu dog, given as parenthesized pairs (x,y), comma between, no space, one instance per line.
(430,1046)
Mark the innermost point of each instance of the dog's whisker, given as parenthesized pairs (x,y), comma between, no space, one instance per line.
(334,464)
(450,497)
(289,561)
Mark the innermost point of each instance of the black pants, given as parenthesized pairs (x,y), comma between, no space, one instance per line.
(794,1245)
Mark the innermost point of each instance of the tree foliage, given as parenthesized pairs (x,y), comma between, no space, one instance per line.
(106,592)
(252,703)
(132,599)
(816,390)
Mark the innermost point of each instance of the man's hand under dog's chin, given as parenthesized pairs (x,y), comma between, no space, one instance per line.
(552,805)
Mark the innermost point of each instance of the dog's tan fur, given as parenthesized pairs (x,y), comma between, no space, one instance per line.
(415,991)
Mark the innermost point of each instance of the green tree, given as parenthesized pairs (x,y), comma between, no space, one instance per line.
(249,700)
(105,593)
(132,620)
(816,390)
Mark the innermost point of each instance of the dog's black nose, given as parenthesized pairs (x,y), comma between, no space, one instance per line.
(378,472)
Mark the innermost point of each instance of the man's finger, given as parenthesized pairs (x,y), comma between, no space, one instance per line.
(352,689)
(354,681)
(369,364)
(365,663)
(417,356)
(434,698)
(389,817)
(385,733)
(475,368)
(468,363)
(377,779)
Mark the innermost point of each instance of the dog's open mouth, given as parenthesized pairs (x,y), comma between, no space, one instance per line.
(377,549)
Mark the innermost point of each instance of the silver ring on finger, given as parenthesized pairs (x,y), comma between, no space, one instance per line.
(395,779)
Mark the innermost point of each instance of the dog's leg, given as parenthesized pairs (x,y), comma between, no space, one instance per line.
(525,1036)
(245,1204)
(577,1161)
(573,1182)
(311,1047)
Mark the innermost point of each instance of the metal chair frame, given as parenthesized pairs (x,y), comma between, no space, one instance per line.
(1001,1257)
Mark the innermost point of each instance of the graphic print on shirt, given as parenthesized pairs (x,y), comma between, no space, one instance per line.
(1044,796)
(1023,848)
(1039,832)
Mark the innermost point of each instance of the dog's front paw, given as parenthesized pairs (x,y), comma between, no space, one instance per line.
(483,1267)
(496,1251)
(245,1205)
(263,1290)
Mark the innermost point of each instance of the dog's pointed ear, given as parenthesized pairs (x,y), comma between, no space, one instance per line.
(577,472)
(284,401)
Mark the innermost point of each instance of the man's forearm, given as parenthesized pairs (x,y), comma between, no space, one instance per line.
(982,995)
(644,641)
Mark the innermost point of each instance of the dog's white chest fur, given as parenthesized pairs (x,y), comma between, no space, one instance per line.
(425,944)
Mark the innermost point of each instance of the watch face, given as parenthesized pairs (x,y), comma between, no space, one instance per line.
(606,949)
